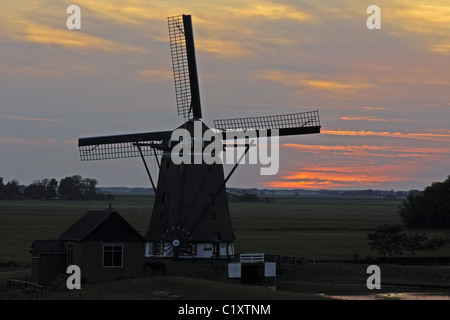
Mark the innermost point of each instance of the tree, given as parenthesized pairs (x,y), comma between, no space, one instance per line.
(70,188)
(387,239)
(12,191)
(428,209)
(89,188)
(434,244)
(415,242)
(51,188)
(40,189)
(2,189)
(77,188)
(248,197)
(34,190)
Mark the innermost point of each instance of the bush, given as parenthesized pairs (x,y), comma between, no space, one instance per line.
(391,240)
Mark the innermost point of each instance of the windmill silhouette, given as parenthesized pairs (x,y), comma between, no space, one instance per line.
(190,216)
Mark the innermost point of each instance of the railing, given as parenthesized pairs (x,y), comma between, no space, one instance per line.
(286,260)
(252,257)
(24,285)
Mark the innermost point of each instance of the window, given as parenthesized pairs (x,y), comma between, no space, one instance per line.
(113,256)
(157,248)
(69,247)
(188,250)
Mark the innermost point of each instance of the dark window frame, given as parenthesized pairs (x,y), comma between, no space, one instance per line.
(112,255)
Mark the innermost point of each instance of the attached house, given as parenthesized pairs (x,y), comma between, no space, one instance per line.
(102,243)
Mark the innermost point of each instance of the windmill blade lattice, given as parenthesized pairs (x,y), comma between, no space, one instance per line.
(184,66)
(287,124)
(122,146)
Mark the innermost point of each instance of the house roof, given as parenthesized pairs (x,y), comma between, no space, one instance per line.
(47,247)
(94,221)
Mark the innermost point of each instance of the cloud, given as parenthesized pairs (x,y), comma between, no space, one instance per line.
(441,48)
(302,79)
(420,17)
(156,75)
(41,34)
(334,166)
(428,23)
(444,136)
(42,71)
(28,142)
(375,108)
(25,118)
(334,176)
(369,118)
(231,49)
(372,151)
(126,11)
(22,26)
(268,10)
(338,86)
(50,68)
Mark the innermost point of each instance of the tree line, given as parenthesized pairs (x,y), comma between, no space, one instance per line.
(429,209)
(69,188)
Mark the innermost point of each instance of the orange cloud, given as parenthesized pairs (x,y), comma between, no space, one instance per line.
(24,29)
(268,10)
(302,79)
(336,86)
(445,136)
(368,118)
(372,151)
(156,75)
(315,177)
(230,49)
(76,40)
(375,108)
(441,48)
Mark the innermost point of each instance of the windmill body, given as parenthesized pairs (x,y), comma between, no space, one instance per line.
(190,213)
(190,217)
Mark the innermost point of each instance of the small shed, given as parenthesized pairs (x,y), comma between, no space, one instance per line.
(48,260)
(102,243)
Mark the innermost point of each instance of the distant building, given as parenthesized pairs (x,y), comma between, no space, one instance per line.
(102,243)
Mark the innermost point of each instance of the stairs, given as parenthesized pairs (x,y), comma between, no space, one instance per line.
(56,282)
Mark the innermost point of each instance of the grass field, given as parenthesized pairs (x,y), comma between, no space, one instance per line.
(319,229)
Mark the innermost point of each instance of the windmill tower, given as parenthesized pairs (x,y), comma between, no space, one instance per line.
(190,217)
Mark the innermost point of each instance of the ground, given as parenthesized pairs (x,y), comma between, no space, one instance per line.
(329,234)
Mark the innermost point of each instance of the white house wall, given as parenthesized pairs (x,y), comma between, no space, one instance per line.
(203,250)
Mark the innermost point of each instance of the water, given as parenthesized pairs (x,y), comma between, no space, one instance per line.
(393,296)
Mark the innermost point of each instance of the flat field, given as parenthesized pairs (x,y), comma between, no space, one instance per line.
(314,228)
(321,230)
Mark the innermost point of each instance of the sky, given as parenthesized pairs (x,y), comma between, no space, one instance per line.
(383,95)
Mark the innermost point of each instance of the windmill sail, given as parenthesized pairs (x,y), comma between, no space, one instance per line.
(184,66)
(287,124)
(122,146)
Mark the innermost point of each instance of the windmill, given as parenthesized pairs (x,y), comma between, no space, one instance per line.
(190,216)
